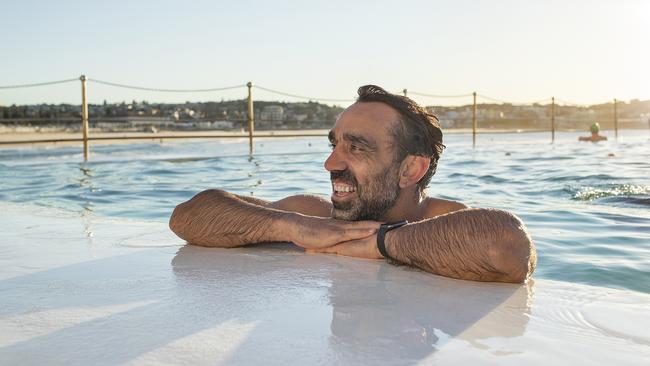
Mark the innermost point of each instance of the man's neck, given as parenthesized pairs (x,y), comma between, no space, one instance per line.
(409,206)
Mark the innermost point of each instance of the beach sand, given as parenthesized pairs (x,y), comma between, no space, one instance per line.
(79,289)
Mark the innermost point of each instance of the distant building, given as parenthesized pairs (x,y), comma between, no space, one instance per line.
(300,117)
(272,113)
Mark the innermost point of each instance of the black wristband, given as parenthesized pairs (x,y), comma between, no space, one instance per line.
(383,229)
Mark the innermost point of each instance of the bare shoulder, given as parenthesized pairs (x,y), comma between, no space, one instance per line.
(302,203)
(437,206)
(305,204)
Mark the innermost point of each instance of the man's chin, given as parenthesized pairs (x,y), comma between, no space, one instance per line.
(341,214)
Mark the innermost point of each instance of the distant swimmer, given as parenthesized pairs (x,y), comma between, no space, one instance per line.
(595,137)
(385,150)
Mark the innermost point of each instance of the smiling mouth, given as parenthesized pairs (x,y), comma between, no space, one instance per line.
(343,189)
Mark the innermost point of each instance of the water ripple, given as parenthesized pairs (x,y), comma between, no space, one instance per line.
(621,191)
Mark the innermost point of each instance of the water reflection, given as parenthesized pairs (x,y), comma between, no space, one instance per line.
(86,183)
(87,172)
(417,314)
(379,312)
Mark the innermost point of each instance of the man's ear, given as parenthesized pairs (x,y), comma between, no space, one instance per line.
(413,169)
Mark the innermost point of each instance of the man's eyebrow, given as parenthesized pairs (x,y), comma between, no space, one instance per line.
(368,143)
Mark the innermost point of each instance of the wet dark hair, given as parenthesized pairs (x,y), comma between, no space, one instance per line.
(417,133)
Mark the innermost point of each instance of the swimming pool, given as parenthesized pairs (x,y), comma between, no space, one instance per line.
(587,205)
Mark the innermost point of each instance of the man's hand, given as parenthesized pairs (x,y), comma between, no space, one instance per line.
(317,233)
(361,248)
(469,244)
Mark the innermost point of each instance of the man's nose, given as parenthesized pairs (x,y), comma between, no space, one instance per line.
(335,162)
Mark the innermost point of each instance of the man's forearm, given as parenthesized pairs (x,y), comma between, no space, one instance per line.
(471,244)
(216,218)
(221,219)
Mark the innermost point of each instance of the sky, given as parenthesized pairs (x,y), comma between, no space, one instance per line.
(581,52)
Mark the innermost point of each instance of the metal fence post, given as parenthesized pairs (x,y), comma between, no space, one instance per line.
(84,116)
(251,121)
(552,119)
(474,121)
(615,119)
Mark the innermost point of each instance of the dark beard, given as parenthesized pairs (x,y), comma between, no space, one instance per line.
(373,199)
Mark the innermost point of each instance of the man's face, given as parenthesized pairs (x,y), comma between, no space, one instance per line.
(364,174)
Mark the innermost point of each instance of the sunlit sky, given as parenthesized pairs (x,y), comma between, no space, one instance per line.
(578,51)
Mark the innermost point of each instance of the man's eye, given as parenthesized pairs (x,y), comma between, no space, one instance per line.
(354,147)
(332,145)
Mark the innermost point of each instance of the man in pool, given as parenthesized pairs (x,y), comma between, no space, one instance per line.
(385,149)
(595,136)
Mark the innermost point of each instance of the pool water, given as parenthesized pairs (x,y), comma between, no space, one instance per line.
(587,205)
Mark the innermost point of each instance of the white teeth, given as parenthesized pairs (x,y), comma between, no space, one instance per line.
(343,188)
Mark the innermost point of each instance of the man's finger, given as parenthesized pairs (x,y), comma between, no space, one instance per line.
(354,234)
(367,224)
(349,249)
(319,250)
(357,248)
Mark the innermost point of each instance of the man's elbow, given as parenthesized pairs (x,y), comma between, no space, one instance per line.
(522,261)
(514,255)
(181,217)
(178,220)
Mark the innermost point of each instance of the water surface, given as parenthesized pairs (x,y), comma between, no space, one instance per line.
(587,205)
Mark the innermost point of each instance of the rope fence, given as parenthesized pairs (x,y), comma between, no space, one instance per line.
(20,86)
(552,102)
(495,100)
(406,92)
(571,104)
(166,90)
(302,96)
